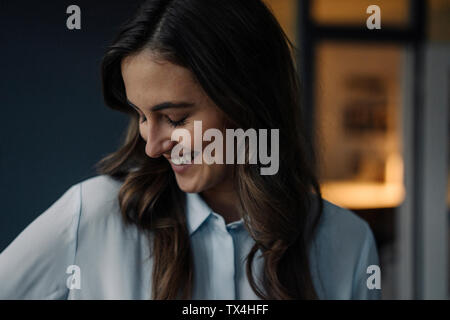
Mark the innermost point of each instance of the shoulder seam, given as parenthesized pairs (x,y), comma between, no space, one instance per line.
(76,227)
(78,218)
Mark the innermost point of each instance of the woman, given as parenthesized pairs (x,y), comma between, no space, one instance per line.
(152,226)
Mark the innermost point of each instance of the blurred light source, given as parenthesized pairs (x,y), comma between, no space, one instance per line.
(364,195)
(358,117)
(369,195)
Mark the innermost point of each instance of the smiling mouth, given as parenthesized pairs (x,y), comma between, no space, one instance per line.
(186,159)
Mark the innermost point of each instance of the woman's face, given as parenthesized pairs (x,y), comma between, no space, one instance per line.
(167,97)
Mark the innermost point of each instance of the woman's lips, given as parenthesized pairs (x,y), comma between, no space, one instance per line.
(180,168)
(181,164)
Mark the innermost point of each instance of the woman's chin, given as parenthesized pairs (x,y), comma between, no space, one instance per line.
(188,185)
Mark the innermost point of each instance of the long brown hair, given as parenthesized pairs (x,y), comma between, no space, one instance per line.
(241,57)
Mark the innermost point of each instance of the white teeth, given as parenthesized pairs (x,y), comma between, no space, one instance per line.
(176,161)
(186,159)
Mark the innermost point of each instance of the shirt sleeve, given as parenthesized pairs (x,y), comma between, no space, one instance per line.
(34,265)
(367,276)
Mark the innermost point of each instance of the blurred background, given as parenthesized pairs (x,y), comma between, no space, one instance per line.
(376,106)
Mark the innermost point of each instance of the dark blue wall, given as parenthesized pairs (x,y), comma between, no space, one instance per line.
(54,124)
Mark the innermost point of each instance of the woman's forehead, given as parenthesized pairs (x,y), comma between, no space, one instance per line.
(150,81)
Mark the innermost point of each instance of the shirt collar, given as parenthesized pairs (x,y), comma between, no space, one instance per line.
(197,211)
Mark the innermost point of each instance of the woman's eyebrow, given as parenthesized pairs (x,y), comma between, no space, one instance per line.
(165,105)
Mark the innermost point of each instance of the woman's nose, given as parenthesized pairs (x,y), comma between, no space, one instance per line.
(158,142)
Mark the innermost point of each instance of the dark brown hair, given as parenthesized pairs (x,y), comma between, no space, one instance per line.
(241,57)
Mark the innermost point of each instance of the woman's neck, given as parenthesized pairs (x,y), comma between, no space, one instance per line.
(223,200)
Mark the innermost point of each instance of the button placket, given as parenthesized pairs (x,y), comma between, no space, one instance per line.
(224,256)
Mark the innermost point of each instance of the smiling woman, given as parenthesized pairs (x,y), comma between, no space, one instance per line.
(171,98)
(149,227)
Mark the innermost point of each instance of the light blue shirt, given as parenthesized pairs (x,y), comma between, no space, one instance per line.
(84,228)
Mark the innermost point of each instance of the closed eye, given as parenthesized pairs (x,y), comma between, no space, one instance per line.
(173,123)
(177,123)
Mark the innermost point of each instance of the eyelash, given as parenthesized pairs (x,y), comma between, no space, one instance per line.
(174,124)
(142,119)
